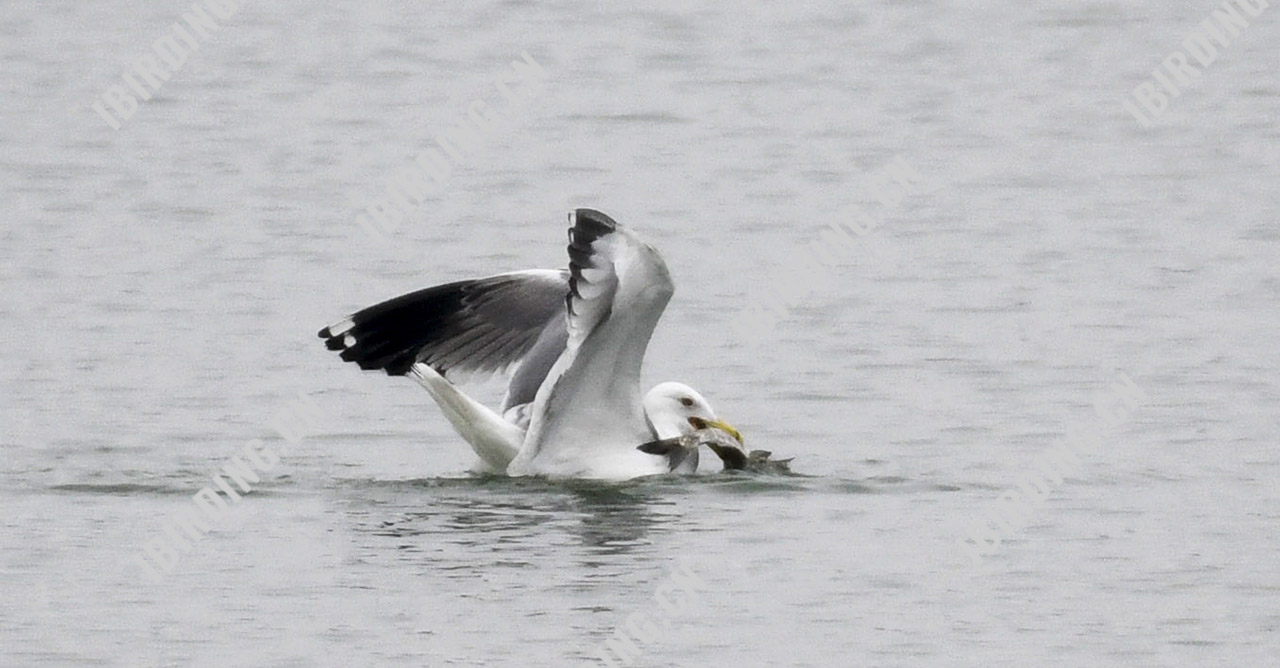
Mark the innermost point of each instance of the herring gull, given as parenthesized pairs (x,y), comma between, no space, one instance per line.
(573,341)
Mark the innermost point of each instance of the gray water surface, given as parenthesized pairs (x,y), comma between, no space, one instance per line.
(163,284)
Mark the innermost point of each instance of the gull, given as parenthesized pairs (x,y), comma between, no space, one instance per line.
(573,342)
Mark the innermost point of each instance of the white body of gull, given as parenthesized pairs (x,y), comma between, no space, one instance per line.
(574,341)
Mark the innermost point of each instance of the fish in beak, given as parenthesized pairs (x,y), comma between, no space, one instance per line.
(721,437)
(734,455)
(700,424)
(730,452)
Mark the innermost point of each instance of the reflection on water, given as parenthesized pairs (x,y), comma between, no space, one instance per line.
(460,523)
(510,522)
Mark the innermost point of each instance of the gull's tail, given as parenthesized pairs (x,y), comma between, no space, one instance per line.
(493,439)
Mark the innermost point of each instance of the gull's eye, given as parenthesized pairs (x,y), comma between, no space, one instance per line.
(686,401)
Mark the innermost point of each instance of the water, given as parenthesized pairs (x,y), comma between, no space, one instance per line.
(163,284)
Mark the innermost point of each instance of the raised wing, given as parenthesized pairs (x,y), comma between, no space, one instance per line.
(587,416)
(483,325)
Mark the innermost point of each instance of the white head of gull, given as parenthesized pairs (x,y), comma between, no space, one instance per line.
(573,341)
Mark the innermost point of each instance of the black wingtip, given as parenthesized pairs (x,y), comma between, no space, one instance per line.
(401,367)
(594,218)
(589,225)
(389,335)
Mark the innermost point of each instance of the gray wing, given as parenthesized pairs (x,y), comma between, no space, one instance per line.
(537,363)
(483,325)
